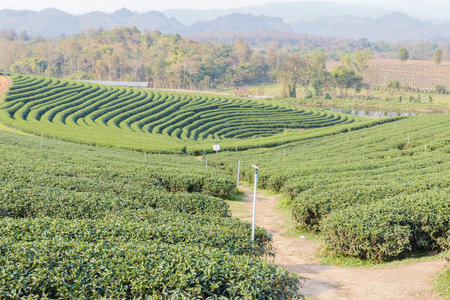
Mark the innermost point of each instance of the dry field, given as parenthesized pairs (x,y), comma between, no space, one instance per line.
(415,74)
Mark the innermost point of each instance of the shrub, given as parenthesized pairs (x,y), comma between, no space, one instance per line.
(392,226)
(441,89)
(70,270)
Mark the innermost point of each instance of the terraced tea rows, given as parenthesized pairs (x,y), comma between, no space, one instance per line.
(157,121)
(375,193)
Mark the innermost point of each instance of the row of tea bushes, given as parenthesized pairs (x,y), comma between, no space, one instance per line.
(86,222)
(148,270)
(389,227)
(349,175)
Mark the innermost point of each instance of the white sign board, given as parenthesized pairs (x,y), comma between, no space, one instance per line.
(216,147)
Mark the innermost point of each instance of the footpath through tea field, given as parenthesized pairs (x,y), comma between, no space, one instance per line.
(411,281)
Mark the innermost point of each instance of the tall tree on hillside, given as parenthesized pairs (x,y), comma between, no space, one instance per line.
(403,54)
(362,61)
(346,78)
(317,72)
(242,50)
(358,62)
(437,56)
(292,72)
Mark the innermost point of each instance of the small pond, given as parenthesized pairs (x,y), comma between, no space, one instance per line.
(372,113)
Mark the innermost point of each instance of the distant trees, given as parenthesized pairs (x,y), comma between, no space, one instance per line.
(23,36)
(393,84)
(437,56)
(309,71)
(357,62)
(317,75)
(169,60)
(441,89)
(349,74)
(125,53)
(291,73)
(242,50)
(29,65)
(403,54)
(346,78)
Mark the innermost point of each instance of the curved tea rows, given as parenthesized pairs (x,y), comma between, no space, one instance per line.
(155,121)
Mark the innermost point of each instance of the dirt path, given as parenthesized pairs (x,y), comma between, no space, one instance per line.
(330,282)
(4,84)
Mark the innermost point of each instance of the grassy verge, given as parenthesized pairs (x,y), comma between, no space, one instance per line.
(236,196)
(292,231)
(442,284)
(3,127)
(373,104)
(376,99)
(327,257)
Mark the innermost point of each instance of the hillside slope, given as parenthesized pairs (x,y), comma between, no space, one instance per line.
(163,122)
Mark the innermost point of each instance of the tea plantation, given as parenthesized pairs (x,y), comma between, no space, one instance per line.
(89,222)
(159,122)
(377,193)
(140,219)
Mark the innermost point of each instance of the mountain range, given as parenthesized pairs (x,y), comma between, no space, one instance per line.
(370,23)
(288,10)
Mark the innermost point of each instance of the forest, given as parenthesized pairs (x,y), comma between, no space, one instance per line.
(171,61)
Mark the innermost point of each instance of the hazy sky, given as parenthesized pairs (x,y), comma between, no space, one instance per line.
(83,6)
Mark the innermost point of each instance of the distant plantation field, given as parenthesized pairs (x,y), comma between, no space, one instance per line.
(160,122)
(414,74)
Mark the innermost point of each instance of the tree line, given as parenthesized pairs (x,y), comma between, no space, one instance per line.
(168,60)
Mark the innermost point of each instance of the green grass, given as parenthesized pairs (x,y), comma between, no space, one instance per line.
(328,257)
(439,103)
(270,89)
(442,283)
(236,196)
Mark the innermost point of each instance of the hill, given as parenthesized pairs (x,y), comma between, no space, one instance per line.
(311,18)
(260,38)
(391,27)
(56,22)
(288,10)
(240,22)
(87,222)
(161,122)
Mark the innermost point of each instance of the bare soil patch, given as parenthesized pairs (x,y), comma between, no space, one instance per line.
(5,82)
(330,282)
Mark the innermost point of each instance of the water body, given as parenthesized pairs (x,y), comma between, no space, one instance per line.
(371,113)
